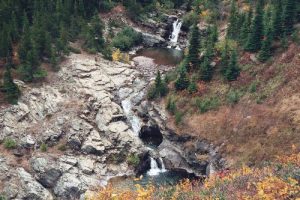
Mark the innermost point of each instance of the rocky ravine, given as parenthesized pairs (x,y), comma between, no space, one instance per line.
(79,110)
(95,109)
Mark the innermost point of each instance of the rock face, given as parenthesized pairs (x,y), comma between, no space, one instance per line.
(78,115)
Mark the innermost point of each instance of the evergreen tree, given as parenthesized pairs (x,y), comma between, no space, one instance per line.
(289,16)
(160,85)
(225,58)
(206,70)
(255,37)
(233,70)
(182,81)
(194,49)
(232,31)
(277,19)
(245,30)
(193,85)
(265,52)
(10,89)
(95,34)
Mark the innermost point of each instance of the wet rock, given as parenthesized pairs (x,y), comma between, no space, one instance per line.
(151,135)
(144,165)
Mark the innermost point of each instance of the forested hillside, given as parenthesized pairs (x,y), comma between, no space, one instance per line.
(75,94)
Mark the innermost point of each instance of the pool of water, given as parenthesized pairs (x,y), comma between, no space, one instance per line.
(169,177)
(162,56)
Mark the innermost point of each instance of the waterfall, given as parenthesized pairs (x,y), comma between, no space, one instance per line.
(175,33)
(155,170)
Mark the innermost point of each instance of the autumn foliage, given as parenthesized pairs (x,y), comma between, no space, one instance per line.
(275,181)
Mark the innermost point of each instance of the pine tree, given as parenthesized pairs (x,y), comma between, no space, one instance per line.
(182,81)
(10,89)
(193,85)
(194,49)
(206,70)
(232,31)
(25,44)
(233,70)
(277,19)
(265,52)
(245,30)
(255,37)
(160,85)
(225,58)
(289,16)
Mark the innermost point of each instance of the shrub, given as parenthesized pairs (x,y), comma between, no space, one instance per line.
(178,117)
(171,105)
(207,104)
(10,143)
(152,93)
(106,5)
(62,147)
(74,50)
(133,160)
(253,87)
(233,97)
(127,39)
(43,147)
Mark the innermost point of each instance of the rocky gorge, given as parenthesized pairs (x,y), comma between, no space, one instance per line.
(91,116)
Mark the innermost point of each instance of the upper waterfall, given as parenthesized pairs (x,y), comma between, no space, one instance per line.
(175,33)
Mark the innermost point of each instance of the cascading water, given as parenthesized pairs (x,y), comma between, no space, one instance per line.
(175,33)
(155,170)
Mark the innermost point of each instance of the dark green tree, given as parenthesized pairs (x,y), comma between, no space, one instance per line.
(277,19)
(233,70)
(256,34)
(94,39)
(160,85)
(225,58)
(206,70)
(232,31)
(193,85)
(182,81)
(194,49)
(288,16)
(10,89)
(265,52)
(245,30)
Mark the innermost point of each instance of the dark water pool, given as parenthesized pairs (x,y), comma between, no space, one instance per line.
(171,177)
(162,56)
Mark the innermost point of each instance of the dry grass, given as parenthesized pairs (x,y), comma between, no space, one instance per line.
(264,123)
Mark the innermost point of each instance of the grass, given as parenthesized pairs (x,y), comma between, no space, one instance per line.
(133,160)
(10,143)
(207,104)
(43,147)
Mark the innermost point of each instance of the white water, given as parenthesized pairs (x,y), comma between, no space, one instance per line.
(175,33)
(155,170)
(133,119)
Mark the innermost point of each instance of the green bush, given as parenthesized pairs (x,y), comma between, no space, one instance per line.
(106,5)
(233,97)
(9,143)
(127,39)
(189,19)
(204,105)
(152,94)
(171,105)
(133,160)
(253,87)
(62,147)
(43,147)
(178,117)
(74,50)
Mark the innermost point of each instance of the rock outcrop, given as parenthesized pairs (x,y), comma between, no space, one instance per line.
(79,117)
